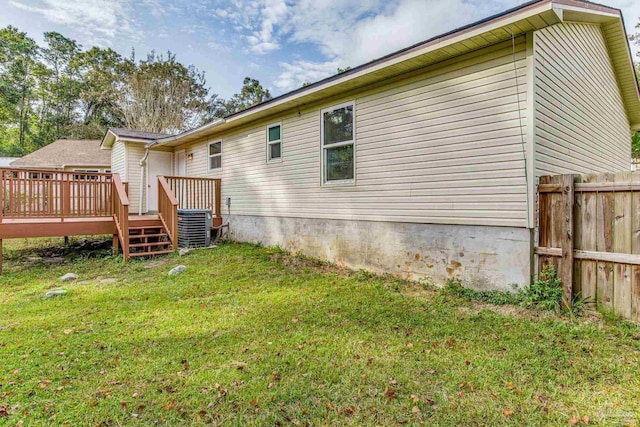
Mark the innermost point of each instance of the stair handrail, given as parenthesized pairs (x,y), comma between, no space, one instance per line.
(168,210)
(120,210)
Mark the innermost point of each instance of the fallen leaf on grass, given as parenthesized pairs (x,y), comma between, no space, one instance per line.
(390,393)
(294,320)
(415,409)
(507,412)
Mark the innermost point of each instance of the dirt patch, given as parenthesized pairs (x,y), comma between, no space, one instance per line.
(60,253)
(298,262)
(520,312)
(156,263)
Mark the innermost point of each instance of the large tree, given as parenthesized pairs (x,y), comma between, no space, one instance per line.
(59,90)
(17,84)
(162,95)
(251,93)
(59,83)
(104,73)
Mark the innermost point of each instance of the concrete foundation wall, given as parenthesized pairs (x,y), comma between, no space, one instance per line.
(483,257)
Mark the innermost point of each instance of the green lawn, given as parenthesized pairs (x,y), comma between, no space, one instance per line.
(251,336)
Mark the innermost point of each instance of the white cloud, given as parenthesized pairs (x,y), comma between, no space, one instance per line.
(98,21)
(350,33)
(296,73)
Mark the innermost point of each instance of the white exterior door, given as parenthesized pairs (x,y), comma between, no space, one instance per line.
(181,163)
(158,163)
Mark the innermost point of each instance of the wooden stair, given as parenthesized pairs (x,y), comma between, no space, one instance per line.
(148,237)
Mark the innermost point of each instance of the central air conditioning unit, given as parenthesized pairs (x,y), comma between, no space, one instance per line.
(194,228)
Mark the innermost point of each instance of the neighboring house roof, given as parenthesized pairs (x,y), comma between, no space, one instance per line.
(66,152)
(6,161)
(128,135)
(139,134)
(530,16)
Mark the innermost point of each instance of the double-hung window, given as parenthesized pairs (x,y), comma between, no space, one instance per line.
(215,155)
(338,144)
(274,142)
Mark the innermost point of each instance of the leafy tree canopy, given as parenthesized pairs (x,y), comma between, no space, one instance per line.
(60,90)
(252,93)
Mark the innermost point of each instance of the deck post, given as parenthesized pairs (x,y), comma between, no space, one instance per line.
(217,201)
(66,199)
(116,244)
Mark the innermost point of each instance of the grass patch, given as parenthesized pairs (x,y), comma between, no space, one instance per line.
(254,336)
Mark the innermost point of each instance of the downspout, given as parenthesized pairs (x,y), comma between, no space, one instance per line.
(143,161)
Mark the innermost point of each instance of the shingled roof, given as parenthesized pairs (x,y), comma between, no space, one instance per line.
(137,134)
(66,152)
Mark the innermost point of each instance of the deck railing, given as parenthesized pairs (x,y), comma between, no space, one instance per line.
(120,209)
(168,210)
(32,193)
(196,193)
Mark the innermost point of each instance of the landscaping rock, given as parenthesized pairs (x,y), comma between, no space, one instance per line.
(183,251)
(177,270)
(108,280)
(55,293)
(68,277)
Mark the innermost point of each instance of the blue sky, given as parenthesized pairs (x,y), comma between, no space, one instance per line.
(281,43)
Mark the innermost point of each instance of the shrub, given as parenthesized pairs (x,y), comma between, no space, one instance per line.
(545,293)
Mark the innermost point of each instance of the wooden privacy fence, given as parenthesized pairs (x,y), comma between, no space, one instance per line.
(589,229)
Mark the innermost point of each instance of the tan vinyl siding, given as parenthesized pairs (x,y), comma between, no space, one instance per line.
(444,146)
(580,125)
(118,160)
(135,152)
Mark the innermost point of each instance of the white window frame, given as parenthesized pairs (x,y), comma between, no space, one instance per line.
(87,170)
(83,174)
(323,148)
(210,156)
(270,143)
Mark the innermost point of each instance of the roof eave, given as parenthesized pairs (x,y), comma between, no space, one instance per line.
(552,10)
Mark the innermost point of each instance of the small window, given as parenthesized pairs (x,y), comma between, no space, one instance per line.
(274,142)
(338,144)
(86,174)
(37,175)
(215,155)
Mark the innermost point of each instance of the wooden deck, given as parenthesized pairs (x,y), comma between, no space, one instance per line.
(40,203)
(16,228)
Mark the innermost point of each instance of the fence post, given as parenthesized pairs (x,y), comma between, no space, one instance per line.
(566,266)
